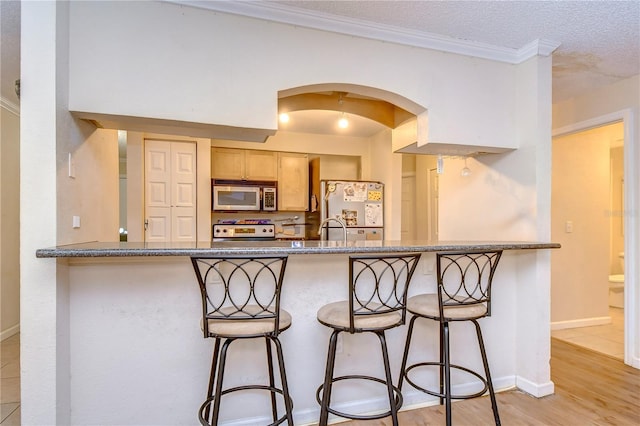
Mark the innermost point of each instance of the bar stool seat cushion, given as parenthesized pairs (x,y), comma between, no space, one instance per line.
(246,327)
(337,314)
(427,305)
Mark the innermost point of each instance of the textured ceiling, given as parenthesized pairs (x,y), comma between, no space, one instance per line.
(599,40)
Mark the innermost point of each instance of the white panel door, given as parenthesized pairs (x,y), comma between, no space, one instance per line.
(157,191)
(170,191)
(183,191)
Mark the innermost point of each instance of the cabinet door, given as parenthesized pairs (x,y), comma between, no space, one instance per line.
(227,163)
(293,182)
(261,165)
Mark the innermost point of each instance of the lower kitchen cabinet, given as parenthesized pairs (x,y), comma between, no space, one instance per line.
(293,181)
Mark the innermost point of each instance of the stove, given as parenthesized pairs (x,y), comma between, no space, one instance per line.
(243,232)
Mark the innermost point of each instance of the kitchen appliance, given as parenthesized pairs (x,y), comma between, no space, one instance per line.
(243,196)
(244,232)
(358,204)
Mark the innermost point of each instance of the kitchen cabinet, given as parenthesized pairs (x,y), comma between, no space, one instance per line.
(293,181)
(244,164)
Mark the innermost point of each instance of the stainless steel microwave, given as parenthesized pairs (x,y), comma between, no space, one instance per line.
(243,196)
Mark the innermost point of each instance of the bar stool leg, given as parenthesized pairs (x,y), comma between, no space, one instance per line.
(218,394)
(387,370)
(485,363)
(212,375)
(274,409)
(405,357)
(447,371)
(441,362)
(328,378)
(283,378)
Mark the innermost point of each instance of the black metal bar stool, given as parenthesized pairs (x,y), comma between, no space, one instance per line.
(241,300)
(377,302)
(464,294)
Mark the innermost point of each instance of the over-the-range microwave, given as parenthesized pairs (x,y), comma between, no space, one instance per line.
(243,195)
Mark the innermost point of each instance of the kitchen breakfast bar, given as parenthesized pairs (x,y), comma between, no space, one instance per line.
(138,356)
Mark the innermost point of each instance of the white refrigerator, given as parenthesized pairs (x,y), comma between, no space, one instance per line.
(359,204)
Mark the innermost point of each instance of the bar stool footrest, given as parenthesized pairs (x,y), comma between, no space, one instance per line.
(397,392)
(442,395)
(209,401)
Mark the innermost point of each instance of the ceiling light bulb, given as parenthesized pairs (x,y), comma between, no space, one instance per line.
(284,117)
(466,171)
(343,123)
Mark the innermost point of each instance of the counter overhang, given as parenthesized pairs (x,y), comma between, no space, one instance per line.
(229,248)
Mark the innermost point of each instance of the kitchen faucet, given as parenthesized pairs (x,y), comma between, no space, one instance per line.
(329,219)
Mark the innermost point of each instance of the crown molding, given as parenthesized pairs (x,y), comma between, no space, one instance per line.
(9,106)
(359,28)
(537,47)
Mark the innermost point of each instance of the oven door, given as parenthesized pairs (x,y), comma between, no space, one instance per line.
(231,198)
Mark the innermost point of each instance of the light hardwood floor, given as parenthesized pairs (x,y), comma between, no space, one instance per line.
(590,389)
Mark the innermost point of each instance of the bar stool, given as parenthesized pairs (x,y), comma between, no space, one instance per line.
(241,300)
(464,294)
(377,302)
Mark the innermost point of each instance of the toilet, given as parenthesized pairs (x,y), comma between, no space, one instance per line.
(616,286)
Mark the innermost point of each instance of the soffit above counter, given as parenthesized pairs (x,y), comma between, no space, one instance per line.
(174,127)
(453,150)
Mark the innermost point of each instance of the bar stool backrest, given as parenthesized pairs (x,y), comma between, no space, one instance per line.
(240,288)
(464,278)
(378,284)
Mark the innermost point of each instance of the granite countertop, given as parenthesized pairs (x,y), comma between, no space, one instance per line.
(228,248)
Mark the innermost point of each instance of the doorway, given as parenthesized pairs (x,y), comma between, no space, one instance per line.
(587,218)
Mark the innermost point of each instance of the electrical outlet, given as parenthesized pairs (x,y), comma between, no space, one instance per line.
(568,226)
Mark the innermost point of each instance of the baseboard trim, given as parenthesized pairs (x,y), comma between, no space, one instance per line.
(5,334)
(535,389)
(583,322)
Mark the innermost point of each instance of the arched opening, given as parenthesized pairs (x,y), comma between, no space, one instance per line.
(381,106)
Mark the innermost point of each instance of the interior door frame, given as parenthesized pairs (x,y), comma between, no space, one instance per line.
(630,223)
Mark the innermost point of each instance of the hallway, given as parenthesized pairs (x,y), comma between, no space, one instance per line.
(607,339)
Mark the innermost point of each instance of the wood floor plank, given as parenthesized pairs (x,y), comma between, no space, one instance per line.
(590,389)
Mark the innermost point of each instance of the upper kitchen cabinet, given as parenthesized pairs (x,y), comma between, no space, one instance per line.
(243,164)
(293,182)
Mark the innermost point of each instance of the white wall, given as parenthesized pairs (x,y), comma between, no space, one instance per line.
(175,62)
(9,222)
(44,347)
(214,68)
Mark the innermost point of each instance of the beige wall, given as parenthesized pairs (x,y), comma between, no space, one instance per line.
(93,194)
(618,101)
(617,206)
(581,196)
(9,223)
